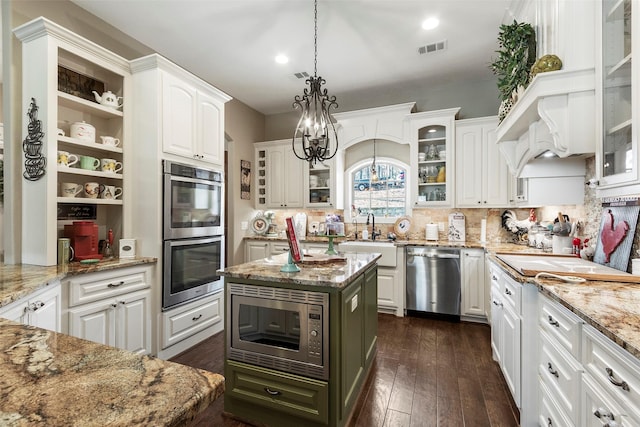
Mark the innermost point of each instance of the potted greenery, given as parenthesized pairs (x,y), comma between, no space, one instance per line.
(516,55)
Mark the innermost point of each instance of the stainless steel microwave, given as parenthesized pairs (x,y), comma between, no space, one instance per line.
(193,201)
(281,329)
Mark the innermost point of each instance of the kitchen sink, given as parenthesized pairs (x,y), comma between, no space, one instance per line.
(386,249)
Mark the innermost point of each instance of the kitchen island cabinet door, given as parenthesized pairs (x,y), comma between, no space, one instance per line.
(353,352)
(42,309)
(255,250)
(94,322)
(370,314)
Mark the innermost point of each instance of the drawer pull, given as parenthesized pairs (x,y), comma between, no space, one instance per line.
(508,292)
(602,413)
(494,278)
(615,382)
(553,322)
(550,369)
(197,317)
(115,285)
(549,422)
(496,303)
(272,392)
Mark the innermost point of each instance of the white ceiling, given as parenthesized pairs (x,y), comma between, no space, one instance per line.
(363,45)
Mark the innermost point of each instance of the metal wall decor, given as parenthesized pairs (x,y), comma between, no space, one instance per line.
(34,162)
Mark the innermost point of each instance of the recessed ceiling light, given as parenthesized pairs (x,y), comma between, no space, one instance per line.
(430,23)
(282,59)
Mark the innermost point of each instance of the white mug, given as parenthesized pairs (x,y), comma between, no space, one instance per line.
(70,189)
(66,159)
(111,165)
(111,192)
(110,140)
(92,190)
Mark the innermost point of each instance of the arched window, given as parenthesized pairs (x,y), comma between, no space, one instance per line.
(386,197)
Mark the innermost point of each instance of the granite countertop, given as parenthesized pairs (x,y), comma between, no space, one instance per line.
(52,379)
(333,275)
(21,280)
(613,308)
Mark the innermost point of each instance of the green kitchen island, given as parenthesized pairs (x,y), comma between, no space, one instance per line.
(264,390)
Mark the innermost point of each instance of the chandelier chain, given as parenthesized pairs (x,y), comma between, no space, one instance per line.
(315,39)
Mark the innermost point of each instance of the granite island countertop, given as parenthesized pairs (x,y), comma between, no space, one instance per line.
(613,308)
(51,379)
(333,275)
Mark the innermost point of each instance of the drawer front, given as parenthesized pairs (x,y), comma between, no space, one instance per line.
(549,414)
(96,286)
(182,322)
(614,370)
(564,326)
(560,372)
(512,294)
(287,393)
(598,407)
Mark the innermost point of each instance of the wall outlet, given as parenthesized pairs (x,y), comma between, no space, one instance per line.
(244,225)
(441,226)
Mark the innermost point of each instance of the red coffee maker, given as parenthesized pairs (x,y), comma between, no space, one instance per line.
(84,239)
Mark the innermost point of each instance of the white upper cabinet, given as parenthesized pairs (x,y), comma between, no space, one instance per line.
(192,111)
(279,177)
(617,98)
(482,176)
(432,151)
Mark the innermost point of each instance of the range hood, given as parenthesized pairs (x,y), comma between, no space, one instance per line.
(556,113)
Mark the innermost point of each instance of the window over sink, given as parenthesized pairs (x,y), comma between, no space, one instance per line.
(385,197)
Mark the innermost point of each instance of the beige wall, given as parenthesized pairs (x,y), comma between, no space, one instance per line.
(244,126)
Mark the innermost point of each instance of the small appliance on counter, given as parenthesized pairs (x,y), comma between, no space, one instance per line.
(431,232)
(84,239)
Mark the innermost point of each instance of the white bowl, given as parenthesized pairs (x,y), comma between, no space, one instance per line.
(442,155)
(422,156)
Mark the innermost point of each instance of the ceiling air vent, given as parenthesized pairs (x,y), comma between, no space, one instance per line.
(302,75)
(433,47)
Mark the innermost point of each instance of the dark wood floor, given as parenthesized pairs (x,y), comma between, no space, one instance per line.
(427,373)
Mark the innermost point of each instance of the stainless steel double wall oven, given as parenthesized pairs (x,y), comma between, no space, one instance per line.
(193,232)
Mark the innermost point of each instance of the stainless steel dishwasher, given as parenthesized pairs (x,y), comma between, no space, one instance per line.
(433,281)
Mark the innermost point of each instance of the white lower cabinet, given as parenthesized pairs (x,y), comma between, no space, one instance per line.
(472,269)
(41,309)
(505,333)
(112,308)
(260,249)
(188,324)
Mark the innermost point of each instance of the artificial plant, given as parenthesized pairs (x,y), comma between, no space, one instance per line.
(516,55)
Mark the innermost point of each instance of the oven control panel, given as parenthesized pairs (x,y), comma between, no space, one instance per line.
(315,332)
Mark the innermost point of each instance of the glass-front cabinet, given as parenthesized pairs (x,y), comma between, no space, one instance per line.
(318,182)
(432,154)
(617,160)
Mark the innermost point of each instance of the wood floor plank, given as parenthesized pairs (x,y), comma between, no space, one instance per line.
(427,373)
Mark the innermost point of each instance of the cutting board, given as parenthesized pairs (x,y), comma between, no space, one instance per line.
(530,265)
(317,259)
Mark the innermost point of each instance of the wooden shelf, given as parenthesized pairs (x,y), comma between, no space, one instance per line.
(75,103)
(92,145)
(80,200)
(86,172)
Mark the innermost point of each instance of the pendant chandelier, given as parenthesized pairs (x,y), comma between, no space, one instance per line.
(315,138)
(374,171)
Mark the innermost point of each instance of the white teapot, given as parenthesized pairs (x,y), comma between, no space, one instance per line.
(108,99)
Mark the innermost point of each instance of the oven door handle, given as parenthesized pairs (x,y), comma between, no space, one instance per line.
(195,180)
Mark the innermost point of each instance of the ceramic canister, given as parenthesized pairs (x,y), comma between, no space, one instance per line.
(83,131)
